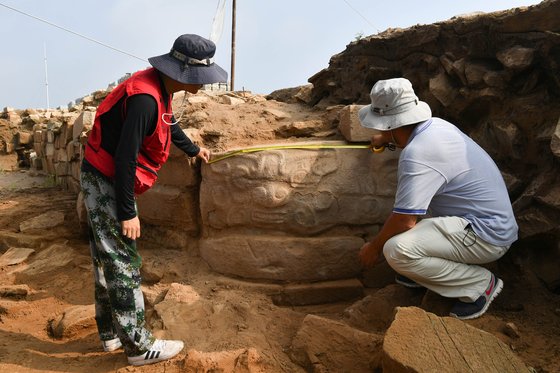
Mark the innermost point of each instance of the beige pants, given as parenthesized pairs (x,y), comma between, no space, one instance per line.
(442,254)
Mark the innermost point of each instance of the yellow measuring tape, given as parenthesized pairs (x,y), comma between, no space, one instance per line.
(296,146)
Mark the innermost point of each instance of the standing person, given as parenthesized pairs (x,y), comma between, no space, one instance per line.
(444,173)
(130,140)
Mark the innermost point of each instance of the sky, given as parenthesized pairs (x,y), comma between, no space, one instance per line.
(278,44)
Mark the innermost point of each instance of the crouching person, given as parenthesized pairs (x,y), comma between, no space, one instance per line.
(443,173)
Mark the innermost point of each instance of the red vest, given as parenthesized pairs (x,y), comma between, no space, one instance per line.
(154,149)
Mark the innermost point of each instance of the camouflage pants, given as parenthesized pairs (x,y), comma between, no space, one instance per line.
(119,302)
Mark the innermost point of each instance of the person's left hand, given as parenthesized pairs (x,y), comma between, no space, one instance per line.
(204,154)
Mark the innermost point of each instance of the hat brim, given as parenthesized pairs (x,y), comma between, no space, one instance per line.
(189,74)
(372,120)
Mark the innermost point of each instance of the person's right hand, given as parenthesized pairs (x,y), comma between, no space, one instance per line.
(371,254)
(131,228)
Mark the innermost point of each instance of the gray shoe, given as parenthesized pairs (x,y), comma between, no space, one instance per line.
(467,311)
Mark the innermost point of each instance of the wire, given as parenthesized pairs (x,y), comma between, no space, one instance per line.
(361,15)
(73,32)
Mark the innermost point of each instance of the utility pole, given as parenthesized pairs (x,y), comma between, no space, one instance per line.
(232,77)
(46,75)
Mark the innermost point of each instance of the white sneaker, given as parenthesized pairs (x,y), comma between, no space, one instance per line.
(160,351)
(111,345)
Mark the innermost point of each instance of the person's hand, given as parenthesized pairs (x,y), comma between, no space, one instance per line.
(380,139)
(204,154)
(131,228)
(371,254)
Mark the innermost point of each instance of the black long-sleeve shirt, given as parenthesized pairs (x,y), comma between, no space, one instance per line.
(122,136)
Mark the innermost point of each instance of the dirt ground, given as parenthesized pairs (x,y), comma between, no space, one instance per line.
(233,315)
(27,345)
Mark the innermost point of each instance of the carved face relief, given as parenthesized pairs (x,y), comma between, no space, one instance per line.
(298,191)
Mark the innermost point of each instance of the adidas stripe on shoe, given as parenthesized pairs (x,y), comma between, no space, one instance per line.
(161,350)
(467,311)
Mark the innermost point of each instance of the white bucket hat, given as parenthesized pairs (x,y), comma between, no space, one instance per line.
(393,105)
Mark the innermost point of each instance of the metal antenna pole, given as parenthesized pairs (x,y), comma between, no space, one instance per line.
(232,78)
(46,75)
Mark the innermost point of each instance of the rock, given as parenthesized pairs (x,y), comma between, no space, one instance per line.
(324,345)
(511,330)
(83,123)
(163,204)
(304,94)
(15,255)
(298,191)
(181,171)
(152,270)
(350,127)
(197,99)
(75,320)
(442,89)
(24,138)
(230,100)
(318,293)
(300,128)
(418,341)
(14,291)
(498,79)
(474,73)
(14,118)
(284,94)
(278,114)
(154,294)
(555,141)
(14,239)
(179,293)
(283,258)
(54,257)
(44,221)
(32,119)
(516,58)
(376,311)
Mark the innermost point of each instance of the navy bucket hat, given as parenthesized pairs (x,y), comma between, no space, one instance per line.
(190,61)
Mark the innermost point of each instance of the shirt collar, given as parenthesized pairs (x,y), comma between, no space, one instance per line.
(419,128)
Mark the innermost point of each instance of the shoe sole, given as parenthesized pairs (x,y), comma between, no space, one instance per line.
(495,293)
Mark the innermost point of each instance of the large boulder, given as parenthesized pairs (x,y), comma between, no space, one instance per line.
(419,341)
(293,214)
